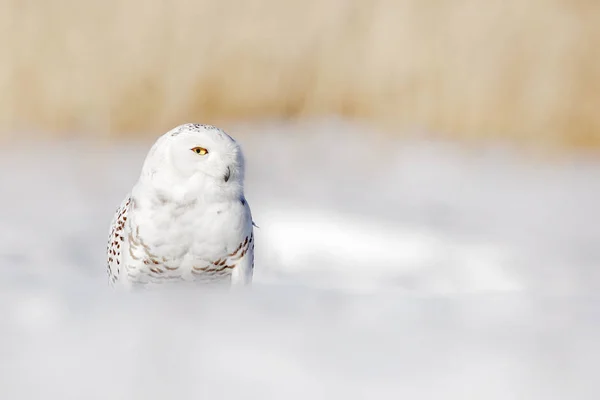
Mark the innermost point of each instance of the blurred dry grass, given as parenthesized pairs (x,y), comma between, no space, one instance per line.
(528,70)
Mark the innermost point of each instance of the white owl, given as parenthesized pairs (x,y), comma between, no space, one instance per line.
(186,219)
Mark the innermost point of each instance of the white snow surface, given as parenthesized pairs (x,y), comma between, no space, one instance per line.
(384,270)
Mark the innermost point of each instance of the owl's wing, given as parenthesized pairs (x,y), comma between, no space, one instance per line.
(243,258)
(244,255)
(116,241)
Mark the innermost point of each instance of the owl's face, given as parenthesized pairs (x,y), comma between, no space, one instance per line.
(198,149)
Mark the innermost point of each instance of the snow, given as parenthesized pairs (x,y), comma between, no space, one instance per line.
(384,270)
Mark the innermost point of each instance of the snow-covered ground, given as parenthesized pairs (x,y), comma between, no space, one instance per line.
(384,270)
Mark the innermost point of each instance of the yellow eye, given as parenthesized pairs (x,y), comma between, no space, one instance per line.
(200,150)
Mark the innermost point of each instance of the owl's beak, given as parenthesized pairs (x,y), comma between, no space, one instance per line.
(227,174)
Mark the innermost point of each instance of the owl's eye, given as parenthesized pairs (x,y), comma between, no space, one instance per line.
(200,150)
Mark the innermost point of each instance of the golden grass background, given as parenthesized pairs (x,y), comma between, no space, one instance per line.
(525,70)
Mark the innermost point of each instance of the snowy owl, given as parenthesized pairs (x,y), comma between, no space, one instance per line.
(186,219)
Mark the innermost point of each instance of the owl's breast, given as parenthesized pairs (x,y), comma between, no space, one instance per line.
(188,236)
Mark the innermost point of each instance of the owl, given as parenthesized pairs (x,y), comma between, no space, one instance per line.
(186,219)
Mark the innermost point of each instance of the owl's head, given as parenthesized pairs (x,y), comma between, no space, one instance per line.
(201,155)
